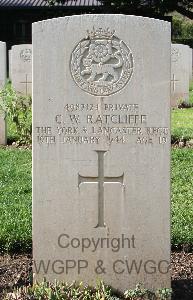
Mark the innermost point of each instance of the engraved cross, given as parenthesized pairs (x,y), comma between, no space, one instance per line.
(26,84)
(174,80)
(100,180)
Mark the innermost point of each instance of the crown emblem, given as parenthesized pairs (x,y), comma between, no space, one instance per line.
(100,33)
(101,64)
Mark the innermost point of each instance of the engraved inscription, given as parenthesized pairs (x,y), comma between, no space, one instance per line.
(101,64)
(100,179)
(26,55)
(45,135)
(83,123)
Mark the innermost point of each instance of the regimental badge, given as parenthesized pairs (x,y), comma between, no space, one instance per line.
(26,55)
(175,54)
(101,64)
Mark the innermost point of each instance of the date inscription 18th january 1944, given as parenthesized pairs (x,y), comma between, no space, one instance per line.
(84,124)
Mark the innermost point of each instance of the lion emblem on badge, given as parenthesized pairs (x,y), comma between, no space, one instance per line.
(101,64)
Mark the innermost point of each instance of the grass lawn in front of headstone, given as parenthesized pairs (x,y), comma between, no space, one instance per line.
(182,195)
(191,93)
(182,124)
(15,198)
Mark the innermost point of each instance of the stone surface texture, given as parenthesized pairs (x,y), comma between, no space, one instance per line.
(190,63)
(180,74)
(21,68)
(9,57)
(101,144)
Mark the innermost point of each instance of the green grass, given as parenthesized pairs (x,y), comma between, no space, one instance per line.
(12,134)
(182,196)
(15,200)
(182,124)
(191,93)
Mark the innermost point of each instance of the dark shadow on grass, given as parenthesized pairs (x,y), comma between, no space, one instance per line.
(17,247)
(185,105)
(182,289)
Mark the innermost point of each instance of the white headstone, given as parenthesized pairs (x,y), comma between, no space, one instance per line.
(101,144)
(9,57)
(21,68)
(180,74)
(3,70)
(192,60)
(190,64)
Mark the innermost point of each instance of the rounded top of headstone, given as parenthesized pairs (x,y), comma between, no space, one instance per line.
(91,17)
(177,50)
(101,57)
(23,51)
(21,46)
(180,45)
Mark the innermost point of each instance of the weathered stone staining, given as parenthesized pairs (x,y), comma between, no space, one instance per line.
(101,143)
(180,74)
(21,68)
(3,76)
